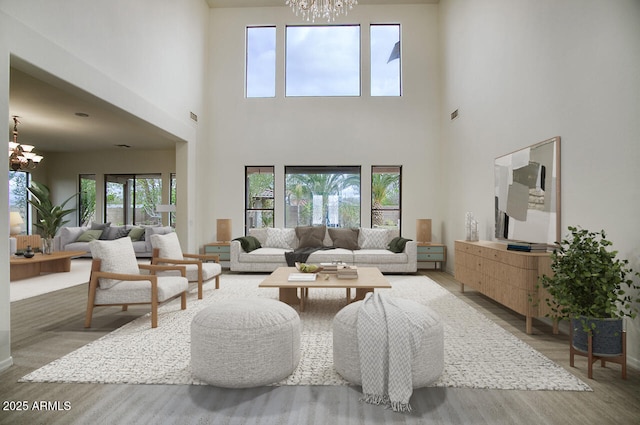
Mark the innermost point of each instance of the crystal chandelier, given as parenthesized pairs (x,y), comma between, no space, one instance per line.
(21,157)
(327,9)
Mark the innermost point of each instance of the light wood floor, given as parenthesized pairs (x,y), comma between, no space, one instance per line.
(46,327)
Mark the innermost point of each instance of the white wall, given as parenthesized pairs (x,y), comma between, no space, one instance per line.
(146,57)
(523,71)
(361,131)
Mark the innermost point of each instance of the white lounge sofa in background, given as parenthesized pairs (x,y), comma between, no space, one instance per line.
(371,250)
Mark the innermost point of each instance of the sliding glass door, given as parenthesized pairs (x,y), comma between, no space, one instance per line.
(132,198)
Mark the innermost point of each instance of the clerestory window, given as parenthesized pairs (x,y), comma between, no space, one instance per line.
(323,60)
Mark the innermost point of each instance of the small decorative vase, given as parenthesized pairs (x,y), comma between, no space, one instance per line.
(28,253)
(47,246)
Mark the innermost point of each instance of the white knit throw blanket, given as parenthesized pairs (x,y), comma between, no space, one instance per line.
(388,342)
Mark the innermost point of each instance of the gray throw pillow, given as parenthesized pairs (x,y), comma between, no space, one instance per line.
(103,227)
(345,238)
(310,236)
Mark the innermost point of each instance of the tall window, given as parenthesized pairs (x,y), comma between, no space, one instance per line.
(87,204)
(19,196)
(172,198)
(385,60)
(132,198)
(385,196)
(323,60)
(259,203)
(261,62)
(322,196)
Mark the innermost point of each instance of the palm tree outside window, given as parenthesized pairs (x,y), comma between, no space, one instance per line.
(385,196)
(322,195)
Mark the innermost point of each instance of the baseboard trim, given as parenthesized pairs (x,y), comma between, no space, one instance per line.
(6,364)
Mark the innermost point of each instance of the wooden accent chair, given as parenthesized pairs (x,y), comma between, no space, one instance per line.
(167,250)
(116,279)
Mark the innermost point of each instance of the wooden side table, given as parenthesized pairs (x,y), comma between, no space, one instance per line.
(222,249)
(431,254)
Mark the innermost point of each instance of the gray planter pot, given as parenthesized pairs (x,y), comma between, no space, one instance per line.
(607,337)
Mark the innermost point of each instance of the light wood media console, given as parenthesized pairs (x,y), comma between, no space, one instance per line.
(508,277)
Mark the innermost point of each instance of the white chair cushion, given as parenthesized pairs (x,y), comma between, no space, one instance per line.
(139,291)
(168,244)
(209,271)
(116,256)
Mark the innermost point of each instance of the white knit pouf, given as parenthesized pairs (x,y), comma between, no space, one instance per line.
(244,343)
(427,365)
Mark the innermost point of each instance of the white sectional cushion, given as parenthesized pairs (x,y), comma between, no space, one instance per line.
(70,234)
(116,256)
(264,255)
(280,238)
(168,244)
(379,256)
(373,238)
(329,255)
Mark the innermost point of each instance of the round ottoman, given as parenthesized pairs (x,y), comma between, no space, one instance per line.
(245,343)
(428,364)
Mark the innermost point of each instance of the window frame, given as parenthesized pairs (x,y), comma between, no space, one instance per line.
(248,66)
(26,208)
(313,170)
(248,209)
(399,58)
(81,198)
(129,198)
(374,209)
(287,77)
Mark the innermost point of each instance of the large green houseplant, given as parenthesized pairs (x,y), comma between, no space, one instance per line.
(50,217)
(591,287)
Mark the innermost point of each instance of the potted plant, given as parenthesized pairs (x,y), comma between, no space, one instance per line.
(592,288)
(50,217)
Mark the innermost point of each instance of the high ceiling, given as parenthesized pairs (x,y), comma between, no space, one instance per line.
(47,107)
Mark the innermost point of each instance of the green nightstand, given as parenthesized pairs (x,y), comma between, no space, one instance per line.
(433,253)
(220,248)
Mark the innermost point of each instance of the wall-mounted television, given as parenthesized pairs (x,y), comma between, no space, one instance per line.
(527,194)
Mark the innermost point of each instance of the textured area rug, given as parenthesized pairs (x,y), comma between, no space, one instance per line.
(478,353)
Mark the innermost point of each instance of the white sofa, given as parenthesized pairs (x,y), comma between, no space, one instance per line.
(67,238)
(371,253)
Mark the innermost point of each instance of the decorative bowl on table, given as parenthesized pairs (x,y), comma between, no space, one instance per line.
(307,268)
